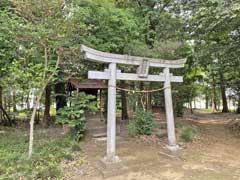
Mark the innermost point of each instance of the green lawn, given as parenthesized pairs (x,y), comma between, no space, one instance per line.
(50,148)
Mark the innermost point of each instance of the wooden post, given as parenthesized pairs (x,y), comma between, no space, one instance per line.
(169,112)
(111,116)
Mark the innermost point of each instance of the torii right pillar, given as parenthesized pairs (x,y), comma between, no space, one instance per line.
(172,146)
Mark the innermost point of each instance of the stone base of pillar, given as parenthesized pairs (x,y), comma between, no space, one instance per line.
(174,148)
(111,167)
(111,160)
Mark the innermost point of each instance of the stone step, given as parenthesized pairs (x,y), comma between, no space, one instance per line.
(97,131)
(160,122)
(101,139)
(99,135)
(96,128)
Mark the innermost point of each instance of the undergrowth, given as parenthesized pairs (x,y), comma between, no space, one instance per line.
(188,133)
(142,124)
(50,148)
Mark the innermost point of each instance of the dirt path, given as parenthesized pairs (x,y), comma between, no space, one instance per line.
(213,155)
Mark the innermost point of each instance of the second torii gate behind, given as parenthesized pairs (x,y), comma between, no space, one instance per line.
(112,74)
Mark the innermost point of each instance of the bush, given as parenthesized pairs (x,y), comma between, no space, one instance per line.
(188,133)
(132,130)
(74,116)
(142,124)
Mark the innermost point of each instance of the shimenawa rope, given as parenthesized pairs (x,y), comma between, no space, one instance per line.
(140,91)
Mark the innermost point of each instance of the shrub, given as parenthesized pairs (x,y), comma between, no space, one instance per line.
(142,124)
(74,116)
(132,130)
(188,133)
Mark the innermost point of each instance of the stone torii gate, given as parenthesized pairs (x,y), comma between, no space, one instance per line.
(112,74)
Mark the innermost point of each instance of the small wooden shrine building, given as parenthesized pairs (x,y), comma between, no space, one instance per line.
(91,87)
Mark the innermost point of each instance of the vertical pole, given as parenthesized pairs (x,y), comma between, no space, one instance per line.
(169,112)
(111,115)
(100,99)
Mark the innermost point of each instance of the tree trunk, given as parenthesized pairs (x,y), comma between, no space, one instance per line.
(9,103)
(14,104)
(149,98)
(61,99)
(214,97)
(223,93)
(238,108)
(35,106)
(27,102)
(194,102)
(6,118)
(142,98)
(5,104)
(1,104)
(124,102)
(191,108)
(206,100)
(132,100)
(22,102)
(46,116)
(105,105)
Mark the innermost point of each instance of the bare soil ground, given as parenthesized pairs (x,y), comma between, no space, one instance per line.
(214,154)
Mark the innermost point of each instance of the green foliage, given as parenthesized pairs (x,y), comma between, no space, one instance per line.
(74,115)
(188,133)
(76,147)
(51,147)
(107,27)
(151,28)
(142,124)
(132,129)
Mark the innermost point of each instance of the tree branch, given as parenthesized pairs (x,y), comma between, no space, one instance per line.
(139,3)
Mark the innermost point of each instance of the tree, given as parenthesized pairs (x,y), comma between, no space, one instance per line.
(45,34)
(215,39)
(8,48)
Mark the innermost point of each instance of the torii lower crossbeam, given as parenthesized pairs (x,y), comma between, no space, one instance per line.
(132,77)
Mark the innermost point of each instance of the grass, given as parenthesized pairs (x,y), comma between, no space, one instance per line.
(24,114)
(50,148)
(188,133)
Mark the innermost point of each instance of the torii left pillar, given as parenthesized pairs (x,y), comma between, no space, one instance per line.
(172,146)
(111,116)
